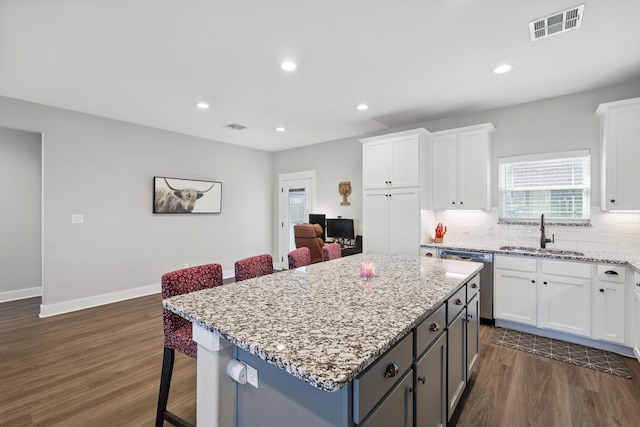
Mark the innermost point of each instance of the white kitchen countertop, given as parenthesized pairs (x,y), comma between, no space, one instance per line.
(323,323)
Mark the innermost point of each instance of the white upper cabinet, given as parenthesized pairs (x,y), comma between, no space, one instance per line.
(462,168)
(394,160)
(620,136)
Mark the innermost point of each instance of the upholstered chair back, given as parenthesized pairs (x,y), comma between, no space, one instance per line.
(177,329)
(299,258)
(254,266)
(308,236)
(331,251)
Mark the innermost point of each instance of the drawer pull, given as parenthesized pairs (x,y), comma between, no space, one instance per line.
(474,286)
(601,290)
(458,301)
(611,272)
(422,379)
(391,371)
(429,254)
(434,327)
(533,281)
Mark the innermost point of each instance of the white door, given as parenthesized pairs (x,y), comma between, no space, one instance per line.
(404,221)
(297,200)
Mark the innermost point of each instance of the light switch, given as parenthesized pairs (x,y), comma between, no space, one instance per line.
(77,219)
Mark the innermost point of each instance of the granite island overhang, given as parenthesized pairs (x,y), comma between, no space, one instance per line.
(324,323)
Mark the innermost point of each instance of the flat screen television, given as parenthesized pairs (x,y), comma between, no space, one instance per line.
(340,228)
(319,219)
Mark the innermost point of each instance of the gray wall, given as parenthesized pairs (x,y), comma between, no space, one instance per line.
(20,213)
(103,169)
(556,124)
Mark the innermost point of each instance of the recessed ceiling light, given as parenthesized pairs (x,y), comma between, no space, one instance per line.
(288,66)
(362,107)
(202,105)
(502,68)
(280,129)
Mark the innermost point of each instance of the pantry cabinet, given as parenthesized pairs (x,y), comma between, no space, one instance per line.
(619,134)
(391,221)
(462,168)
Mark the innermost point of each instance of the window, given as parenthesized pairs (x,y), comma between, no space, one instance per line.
(555,184)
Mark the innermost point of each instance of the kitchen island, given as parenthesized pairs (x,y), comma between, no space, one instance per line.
(310,332)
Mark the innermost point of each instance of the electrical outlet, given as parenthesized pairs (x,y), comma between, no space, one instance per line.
(252,376)
(77,219)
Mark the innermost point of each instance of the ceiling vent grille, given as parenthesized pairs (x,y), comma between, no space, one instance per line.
(235,126)
(557,23)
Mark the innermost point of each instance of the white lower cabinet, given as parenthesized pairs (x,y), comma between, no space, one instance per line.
(564,296)
(609,304)
(544,293)
(636,300)
(514,284)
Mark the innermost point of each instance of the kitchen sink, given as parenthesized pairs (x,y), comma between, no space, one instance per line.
(540,250)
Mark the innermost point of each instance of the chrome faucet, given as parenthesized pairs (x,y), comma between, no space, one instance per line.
(543,238)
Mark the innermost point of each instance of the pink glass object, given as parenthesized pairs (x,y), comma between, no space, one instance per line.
(367,270)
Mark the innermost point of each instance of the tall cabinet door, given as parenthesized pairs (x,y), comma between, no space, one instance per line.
(405,166)
(375,221)
(473,169)
(620,131)
(404,221)
(445,172)
(375,165)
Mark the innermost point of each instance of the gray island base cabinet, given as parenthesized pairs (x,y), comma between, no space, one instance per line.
(343,352)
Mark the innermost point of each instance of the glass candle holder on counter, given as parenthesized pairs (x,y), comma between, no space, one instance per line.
(367,270)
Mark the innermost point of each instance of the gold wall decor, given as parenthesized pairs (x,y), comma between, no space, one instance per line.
(344,189)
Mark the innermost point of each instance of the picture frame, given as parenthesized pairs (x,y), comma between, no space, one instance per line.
(186,196)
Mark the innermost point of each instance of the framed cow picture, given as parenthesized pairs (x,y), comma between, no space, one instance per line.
(186,196)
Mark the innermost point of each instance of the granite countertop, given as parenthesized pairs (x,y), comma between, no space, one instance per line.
(588,256)
(323,323)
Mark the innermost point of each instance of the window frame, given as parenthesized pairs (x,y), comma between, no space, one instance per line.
(502,189)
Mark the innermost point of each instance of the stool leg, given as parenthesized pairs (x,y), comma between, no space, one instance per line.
(165,382)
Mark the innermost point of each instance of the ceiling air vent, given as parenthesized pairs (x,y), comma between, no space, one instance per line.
(556,23)
(235,126)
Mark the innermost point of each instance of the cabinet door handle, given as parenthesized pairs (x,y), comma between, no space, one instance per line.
(611,272)
(474,285)
(391,371)
(434,327)
(453,203)
(601,290)
(545,283)
(613,200)
(533,281)
(458,301)
(461,203)
(422,379)
(638,284)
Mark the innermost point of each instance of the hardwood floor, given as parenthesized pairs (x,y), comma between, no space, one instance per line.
(96,367)
(101,367)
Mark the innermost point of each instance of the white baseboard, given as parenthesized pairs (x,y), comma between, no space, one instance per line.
(20,294)
(82,303)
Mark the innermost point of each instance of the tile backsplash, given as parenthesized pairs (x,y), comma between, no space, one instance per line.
(612,232)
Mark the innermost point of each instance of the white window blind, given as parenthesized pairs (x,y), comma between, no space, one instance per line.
(556,185)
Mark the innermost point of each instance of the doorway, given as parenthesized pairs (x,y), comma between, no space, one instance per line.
(297,201)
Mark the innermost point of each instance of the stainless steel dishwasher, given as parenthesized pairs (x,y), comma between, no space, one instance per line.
(486,277)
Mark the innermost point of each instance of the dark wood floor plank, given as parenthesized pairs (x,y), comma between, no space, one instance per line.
(101,367)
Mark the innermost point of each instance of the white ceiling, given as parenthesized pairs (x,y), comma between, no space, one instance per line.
(150,61)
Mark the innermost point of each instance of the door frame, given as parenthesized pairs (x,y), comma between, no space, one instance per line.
(283,236)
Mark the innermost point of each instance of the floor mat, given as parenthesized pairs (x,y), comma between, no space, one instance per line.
(580,355)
